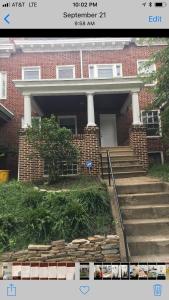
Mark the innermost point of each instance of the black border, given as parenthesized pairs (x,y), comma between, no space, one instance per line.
(156,32)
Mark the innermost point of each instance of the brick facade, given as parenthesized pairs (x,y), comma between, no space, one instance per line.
(138,142)
(48,61)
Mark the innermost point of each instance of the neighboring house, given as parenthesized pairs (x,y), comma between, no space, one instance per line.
(91,84)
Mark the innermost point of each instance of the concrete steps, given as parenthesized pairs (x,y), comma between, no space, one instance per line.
(146,227)
(130,188)
(124,168)
(144,205)
(152,244)
(144,199)
(157,258)
(151,211)
(124,163)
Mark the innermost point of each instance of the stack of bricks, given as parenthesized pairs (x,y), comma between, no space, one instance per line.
(30,166)
(138,142)
(95,248)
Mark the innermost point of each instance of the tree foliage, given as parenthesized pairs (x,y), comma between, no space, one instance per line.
(161,88)
(53,143)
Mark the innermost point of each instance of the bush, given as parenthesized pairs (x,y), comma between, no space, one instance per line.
(31,216)
(160,171)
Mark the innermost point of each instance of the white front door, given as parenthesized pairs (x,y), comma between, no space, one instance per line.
(108,131)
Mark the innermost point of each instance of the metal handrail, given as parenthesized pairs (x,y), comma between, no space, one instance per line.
(111,177)
(101,164)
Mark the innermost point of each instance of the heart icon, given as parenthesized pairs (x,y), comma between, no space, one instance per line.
(84,289)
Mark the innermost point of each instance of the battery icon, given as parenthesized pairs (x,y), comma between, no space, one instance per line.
(160,4)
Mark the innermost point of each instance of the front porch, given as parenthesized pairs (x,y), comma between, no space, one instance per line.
(100,114)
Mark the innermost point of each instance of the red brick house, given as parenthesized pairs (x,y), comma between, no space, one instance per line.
(91,84)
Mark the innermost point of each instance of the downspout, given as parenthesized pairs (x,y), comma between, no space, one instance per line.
(81,63)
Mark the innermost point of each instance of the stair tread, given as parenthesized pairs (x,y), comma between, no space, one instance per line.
(145,206)
(144,194)
(129,172)
(127,166)
(150,258)
(148,238)
(146,221)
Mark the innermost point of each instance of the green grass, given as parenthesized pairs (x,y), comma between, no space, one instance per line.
(28,215)
(73,183)
(160,171)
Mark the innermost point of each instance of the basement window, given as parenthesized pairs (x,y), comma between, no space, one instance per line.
(65,168)
(156,157)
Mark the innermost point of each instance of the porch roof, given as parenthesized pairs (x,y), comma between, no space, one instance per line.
(78,86)
(5,114)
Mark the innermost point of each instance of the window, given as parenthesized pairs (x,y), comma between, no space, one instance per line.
(142,68)
(65,168)
(3,85)
(151,119)
(105,71)
(65,72)
(31,73)
(69,122)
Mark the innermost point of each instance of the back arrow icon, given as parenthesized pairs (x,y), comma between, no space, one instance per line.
(6,18)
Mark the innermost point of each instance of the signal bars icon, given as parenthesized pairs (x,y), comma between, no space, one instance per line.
(6,4)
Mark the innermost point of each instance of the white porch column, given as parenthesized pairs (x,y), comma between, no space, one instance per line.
(135,108)
(90,110)
(27,111)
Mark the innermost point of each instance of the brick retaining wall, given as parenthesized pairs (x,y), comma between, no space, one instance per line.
(96,248)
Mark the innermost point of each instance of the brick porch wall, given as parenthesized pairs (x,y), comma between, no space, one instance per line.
(138,142)
(31,167)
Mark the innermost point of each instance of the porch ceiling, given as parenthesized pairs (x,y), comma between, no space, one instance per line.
(78,86)
(103,103)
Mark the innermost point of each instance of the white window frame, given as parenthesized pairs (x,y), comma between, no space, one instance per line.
(161,153)
(96,66)
(4,96)
(31,67)
(144,74)
(159,118)
(62,67)
(68,117)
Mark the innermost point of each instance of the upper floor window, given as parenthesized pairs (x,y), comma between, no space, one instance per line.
(31,73)
(105,71)
(143,69)
(65,72)
(151,119)
(3,85)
